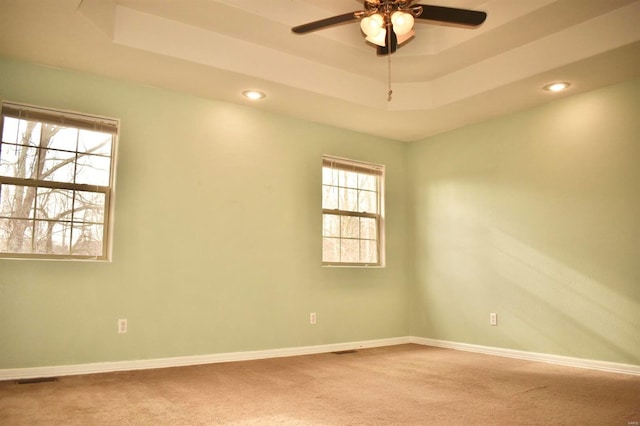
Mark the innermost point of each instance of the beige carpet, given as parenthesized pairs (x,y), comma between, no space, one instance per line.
(406,384)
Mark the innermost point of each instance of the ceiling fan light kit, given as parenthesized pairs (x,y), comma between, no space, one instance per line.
(372,26)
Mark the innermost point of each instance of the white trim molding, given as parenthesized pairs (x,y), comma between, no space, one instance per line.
(607,366)
(146,364)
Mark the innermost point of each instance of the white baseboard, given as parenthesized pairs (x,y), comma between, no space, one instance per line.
(532,356)
(145,364)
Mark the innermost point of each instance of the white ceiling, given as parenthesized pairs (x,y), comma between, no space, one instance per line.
(444,78)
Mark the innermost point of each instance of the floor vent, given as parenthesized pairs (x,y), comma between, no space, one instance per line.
(36,380)
(350,351)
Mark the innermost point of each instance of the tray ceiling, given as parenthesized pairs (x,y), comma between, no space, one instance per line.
(444,78)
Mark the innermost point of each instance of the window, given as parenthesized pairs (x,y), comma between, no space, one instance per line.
(56,183)
(352,213)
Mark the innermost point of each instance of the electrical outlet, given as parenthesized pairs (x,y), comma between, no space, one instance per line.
(312,318)
(493,318)
(122,326)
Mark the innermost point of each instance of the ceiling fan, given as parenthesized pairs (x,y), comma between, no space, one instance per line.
(389,23)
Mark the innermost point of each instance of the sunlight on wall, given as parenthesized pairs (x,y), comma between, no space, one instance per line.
(533,216)
(578,306)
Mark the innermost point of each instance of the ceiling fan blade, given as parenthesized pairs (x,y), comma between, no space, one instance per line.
(451,15)
(323,23)
(394,44)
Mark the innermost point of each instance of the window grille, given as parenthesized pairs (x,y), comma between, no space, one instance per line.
(56,183)
(352,212)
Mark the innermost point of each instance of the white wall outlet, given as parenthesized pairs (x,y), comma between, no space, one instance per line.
(122,326)
(312,318)
(493,318)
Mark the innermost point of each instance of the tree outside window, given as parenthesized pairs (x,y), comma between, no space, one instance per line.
(352,206)
(56,180)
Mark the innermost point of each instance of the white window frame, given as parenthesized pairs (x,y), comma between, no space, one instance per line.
(376,170)
(70,120)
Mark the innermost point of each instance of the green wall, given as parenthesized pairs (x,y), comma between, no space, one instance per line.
(534,216)
(217,236)
(217,223)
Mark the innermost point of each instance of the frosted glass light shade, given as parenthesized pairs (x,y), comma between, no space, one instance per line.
(402,22)
(371,25)
(379,39)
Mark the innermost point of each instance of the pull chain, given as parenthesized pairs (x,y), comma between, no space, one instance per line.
(390,92)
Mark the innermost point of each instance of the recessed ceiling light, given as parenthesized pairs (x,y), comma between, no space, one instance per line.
(254,95)
(557,87)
